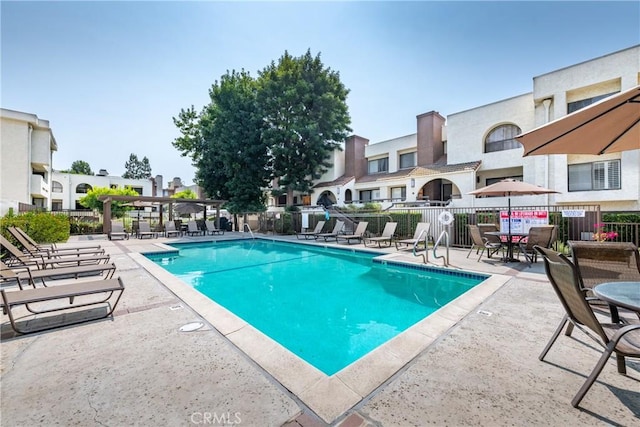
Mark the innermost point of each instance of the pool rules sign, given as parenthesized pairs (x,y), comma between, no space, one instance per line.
(522,221)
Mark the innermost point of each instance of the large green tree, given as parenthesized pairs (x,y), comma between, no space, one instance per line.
(283,125)
(137,169)
(185,194)
(117,208)
(306,115)
(225,143)
(79,167)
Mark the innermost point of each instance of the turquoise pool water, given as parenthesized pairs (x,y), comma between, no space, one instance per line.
(328,306)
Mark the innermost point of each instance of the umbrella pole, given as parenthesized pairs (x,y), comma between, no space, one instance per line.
(509,257)
(510,241)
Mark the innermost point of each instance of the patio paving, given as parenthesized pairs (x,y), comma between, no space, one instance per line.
(139,369)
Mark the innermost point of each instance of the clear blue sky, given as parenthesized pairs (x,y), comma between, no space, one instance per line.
(110,76)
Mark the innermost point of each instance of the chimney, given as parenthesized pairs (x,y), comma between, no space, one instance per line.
(355,163)
(430,146)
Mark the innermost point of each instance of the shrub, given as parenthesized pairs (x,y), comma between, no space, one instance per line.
(43,227)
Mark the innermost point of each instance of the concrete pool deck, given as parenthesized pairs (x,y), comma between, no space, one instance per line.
(480,368)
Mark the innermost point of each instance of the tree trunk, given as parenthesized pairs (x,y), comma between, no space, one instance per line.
(289,196)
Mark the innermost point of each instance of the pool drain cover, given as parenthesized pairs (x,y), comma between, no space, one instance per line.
(190,327)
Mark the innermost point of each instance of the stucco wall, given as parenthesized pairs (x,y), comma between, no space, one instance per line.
(71,181)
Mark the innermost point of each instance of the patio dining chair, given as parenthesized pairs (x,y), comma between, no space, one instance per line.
(538,236)
(619,338)
(482,243)
(600,262)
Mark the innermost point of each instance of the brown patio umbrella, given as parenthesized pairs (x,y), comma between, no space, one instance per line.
(510,187)
(187,208)
(608,126)
(140,204)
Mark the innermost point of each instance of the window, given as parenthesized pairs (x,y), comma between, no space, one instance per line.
(399,193)
(79,207)
(56,187)
(369,195)
(378,165)
(83,188)
(137,190)
(490,181)
(502,138)
(595,176)
(577,105)
(407,160)
(56,205)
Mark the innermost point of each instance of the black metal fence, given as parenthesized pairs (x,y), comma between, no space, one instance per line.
(578,222)
(585,222)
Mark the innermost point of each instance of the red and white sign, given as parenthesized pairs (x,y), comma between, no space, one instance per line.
(522,221)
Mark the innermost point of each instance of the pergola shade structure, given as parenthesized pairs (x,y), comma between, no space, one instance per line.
(149,200)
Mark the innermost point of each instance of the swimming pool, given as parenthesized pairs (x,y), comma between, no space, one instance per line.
(328,306)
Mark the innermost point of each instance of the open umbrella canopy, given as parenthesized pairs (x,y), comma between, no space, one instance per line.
(509,187)
(608,126)
(187,208)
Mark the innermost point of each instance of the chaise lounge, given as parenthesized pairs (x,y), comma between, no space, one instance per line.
(20,275)
(118,231)
(387,235)
(357,235)
(171,230)
(42,262)
(309,234)
(192,229)
(50,252)
(52,246)
(212,229)
(29,297)
(144,230)
(421,235)
(334,234)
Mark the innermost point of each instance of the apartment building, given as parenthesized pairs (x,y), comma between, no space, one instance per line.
(26,153)
(447,158)
(67,188)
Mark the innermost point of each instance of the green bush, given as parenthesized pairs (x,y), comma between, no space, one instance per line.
(284,225)
(86,227)
(43,227)
(632,218)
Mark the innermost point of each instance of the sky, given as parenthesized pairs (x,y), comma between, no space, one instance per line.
(110,76)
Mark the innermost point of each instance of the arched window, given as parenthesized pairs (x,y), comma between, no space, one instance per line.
(502,138)
(347,196)
(56,187)
(83,188)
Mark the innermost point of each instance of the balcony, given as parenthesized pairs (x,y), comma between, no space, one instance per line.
(39,187)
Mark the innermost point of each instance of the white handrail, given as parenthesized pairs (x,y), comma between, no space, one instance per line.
(425,255)
(248,228)
(435,246)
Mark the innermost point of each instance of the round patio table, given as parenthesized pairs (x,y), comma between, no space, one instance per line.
(509,242)
(619,294)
